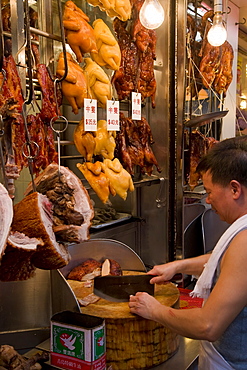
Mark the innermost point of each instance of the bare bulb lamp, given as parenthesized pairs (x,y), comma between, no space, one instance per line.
(217,34)
(151,14)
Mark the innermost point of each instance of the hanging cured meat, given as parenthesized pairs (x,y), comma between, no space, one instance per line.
(51,99)
(78,32)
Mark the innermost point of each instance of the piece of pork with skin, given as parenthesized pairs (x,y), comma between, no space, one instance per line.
(33,217)
(16,264)
(72,208)
(6,217)
(86,270)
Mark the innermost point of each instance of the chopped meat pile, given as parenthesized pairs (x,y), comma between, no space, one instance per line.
(10,359)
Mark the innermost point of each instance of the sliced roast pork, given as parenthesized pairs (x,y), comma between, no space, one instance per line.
(33,217)
(6,216)
(72,208)
(16,263)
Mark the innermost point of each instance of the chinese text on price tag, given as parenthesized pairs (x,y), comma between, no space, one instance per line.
(90,114)
(113,115)
(136,105)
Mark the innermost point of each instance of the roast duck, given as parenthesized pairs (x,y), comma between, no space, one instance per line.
(213,63)
(133,145)
(197,145)
(137,45)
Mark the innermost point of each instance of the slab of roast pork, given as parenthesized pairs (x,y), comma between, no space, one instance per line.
(33,217)
(6,216)
(72,208)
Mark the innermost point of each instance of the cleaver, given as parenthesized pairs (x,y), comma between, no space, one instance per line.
(119,288)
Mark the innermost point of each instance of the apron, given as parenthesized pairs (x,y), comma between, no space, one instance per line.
(211,359)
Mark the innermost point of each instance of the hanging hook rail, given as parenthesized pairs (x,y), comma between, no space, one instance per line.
(63,43)
(29,142)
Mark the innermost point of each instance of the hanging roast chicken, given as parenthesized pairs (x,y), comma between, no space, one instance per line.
(109,54)
(74,86)
(79,34)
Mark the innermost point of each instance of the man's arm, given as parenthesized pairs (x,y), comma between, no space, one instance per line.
(227,299)
(189,266)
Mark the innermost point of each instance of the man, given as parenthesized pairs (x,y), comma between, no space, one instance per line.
(221,324)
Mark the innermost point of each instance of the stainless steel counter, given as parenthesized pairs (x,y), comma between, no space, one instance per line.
(184,359)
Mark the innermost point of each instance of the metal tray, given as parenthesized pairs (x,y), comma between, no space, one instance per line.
(121,217)
(205,118)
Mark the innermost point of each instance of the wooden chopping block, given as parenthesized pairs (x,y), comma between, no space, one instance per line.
(131,341)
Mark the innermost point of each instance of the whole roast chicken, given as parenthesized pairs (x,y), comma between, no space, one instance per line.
(109,54)
(104,140)
(99,86)
(84,141)
(97,179)
(74,86)
(114,8)
(120,179)
(78,32)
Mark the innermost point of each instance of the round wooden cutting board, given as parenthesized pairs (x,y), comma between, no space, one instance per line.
(131,341)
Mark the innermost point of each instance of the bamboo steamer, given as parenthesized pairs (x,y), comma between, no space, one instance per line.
(131,341)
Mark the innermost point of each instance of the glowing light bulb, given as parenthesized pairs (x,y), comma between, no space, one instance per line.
(151,14)
(217,34)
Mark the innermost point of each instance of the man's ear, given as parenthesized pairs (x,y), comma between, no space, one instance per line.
(235,188)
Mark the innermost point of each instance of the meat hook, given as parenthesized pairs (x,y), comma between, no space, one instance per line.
(29,54)
(58,132)
(1,152)
(63,42)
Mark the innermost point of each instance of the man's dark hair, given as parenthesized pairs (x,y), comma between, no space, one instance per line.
(226,161)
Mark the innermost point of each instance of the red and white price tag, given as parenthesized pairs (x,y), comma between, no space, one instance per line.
(90,114)
(112,115)
(136,105)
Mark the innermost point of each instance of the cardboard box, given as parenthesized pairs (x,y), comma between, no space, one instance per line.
(78,341)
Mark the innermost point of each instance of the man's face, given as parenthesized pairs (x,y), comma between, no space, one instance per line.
(218,196)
